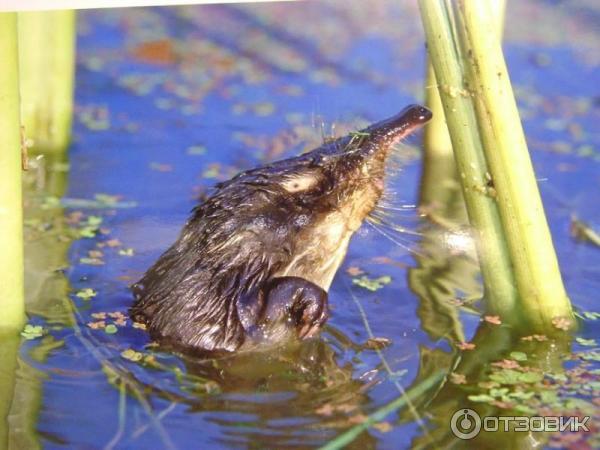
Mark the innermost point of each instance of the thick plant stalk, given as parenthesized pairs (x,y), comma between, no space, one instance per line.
(12,304)
(483,213)
(530,244)
(47,64)
(438,158)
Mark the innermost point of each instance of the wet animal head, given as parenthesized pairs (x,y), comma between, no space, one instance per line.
(307,207)
(291,218)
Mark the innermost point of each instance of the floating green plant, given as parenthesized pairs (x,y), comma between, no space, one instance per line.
(372,284)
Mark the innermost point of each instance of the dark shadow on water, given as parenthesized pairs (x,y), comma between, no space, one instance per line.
(296,395)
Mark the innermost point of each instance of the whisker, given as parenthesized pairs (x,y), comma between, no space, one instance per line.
(396,220)
(407,241)
(391,239)
(396,227)
(393,211)
(402,208)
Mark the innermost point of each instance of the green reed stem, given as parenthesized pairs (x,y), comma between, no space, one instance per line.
(12,303)
(539,282)
(437,144)
(47,65)
(473,172)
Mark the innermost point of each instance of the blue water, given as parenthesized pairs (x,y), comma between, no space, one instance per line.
(144,157)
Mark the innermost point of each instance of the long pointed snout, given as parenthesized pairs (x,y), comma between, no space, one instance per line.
(377,139)
(399,126)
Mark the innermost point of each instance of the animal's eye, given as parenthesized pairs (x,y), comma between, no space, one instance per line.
(300,182)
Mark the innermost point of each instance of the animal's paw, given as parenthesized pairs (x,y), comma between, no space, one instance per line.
(299,302)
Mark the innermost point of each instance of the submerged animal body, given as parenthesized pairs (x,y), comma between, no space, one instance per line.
(255,260)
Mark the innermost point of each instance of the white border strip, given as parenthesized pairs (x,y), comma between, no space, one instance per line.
(45,5)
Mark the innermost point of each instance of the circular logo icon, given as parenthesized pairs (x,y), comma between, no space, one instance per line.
(465,424)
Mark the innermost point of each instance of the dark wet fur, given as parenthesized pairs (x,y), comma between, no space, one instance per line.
(246,231)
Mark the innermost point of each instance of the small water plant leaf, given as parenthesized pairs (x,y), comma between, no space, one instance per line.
(132,355)
(481,398)
(506,364)
(126,252)
(525,409)
(51,202)
(548,396)
(211,171)
(488,384)
(111,329)
(94,221)
(372,284)
(89,228)
(86,293)
(511,376)
(91,261)
(530,377)
(518,356)
(458,378)
(586,342)
(557,377)
(501,392)
(88,232)
(590,315)
(31,332)
(580,404)
(590,356)
(521,395)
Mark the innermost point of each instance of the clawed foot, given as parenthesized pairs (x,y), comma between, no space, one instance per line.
(309,314)
(293,307)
